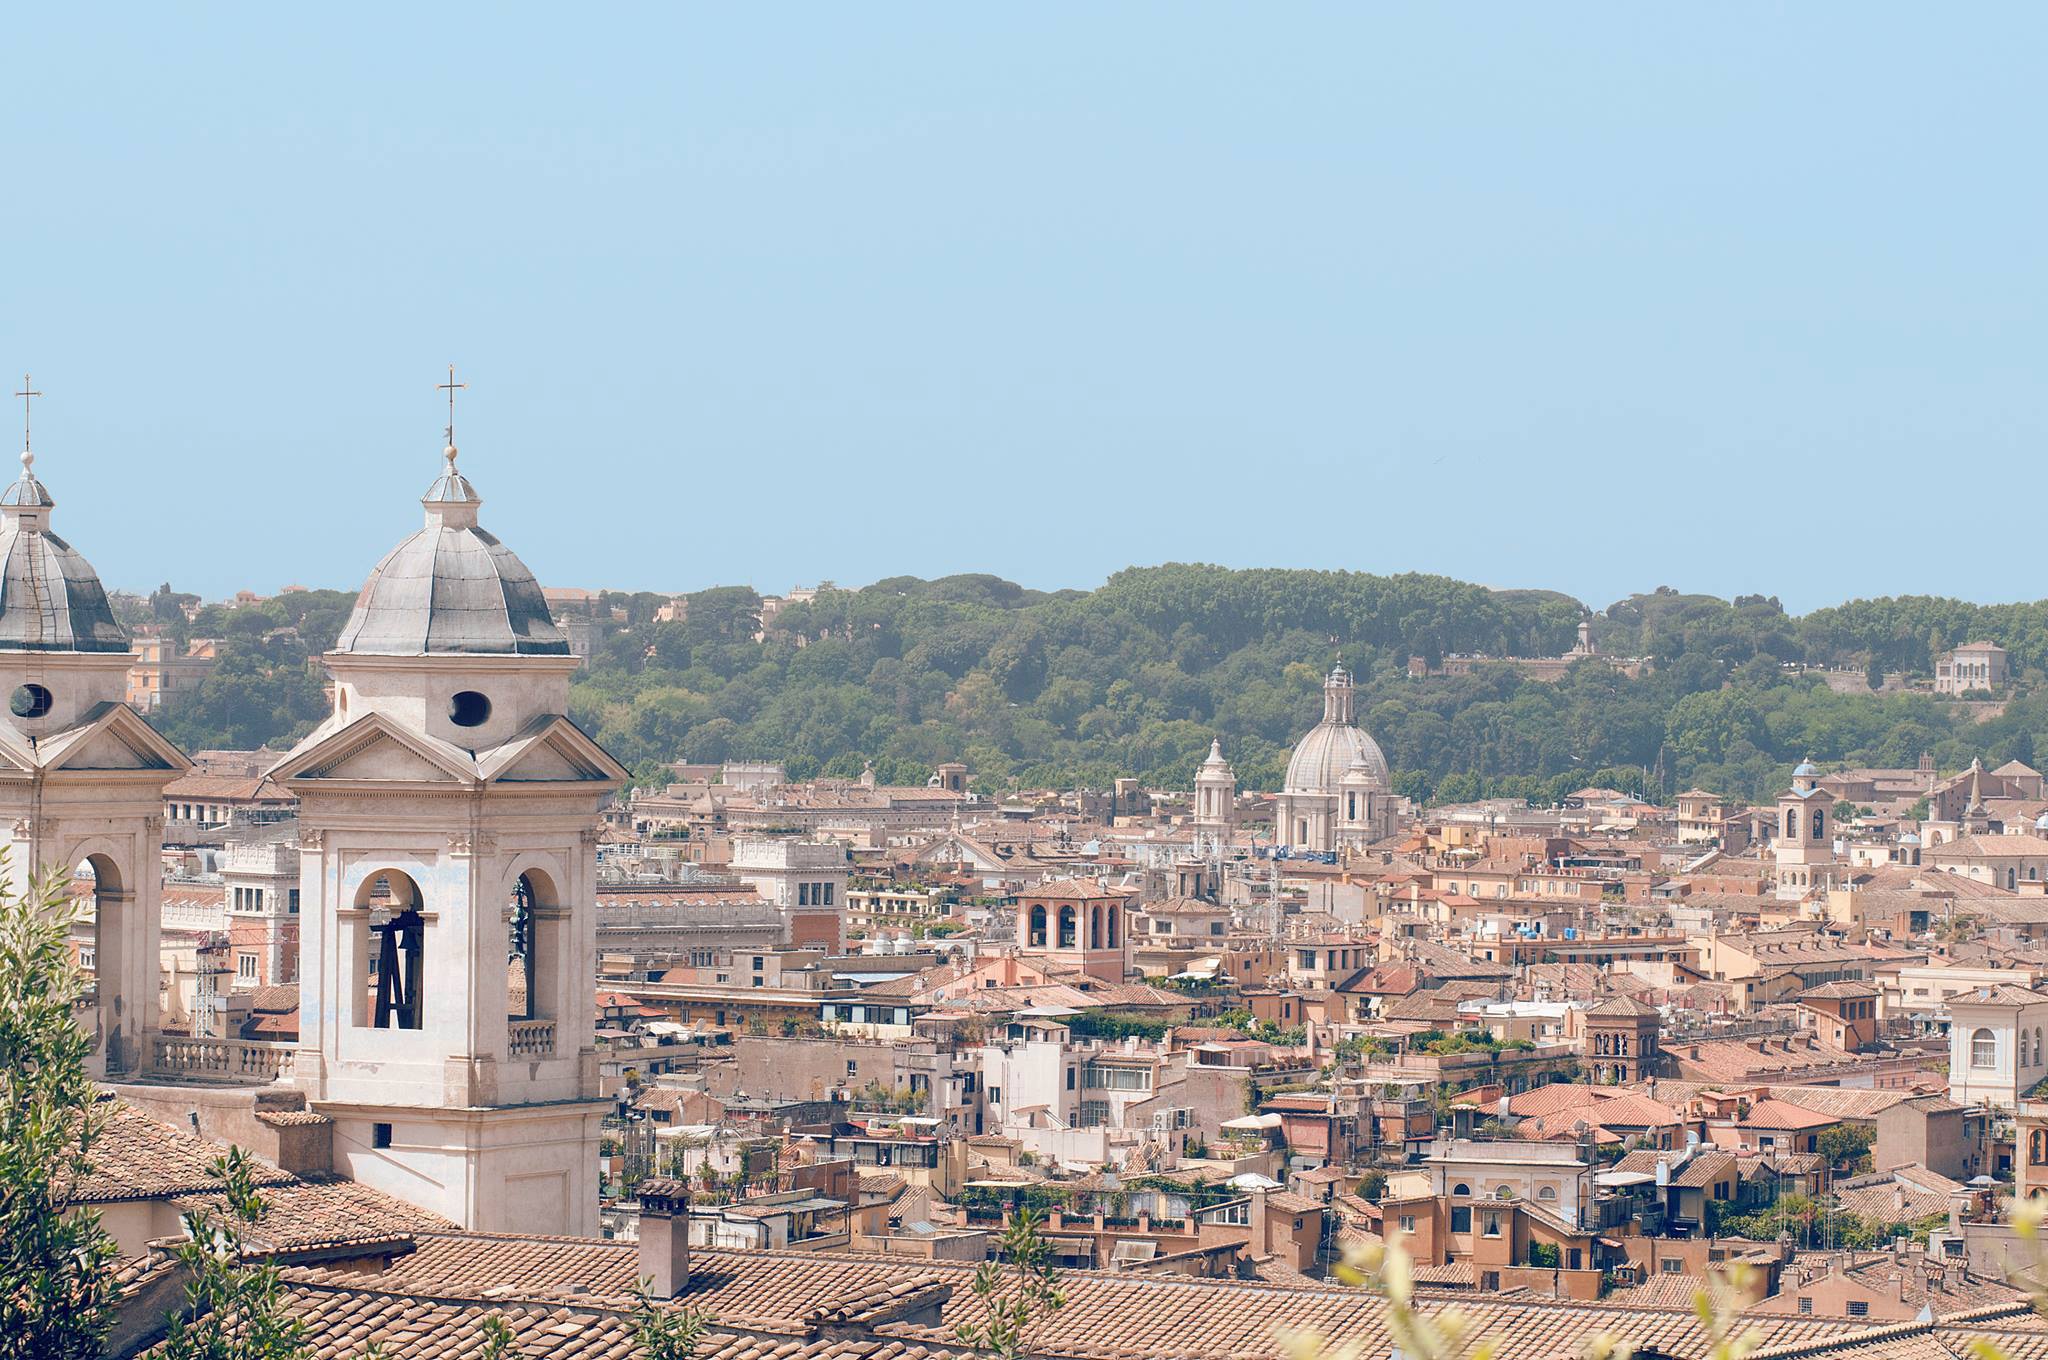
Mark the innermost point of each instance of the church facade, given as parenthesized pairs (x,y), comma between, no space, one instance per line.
(1337,794)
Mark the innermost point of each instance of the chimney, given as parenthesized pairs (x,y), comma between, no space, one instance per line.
(665,1236)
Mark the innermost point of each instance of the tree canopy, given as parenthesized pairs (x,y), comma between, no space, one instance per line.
(1056,689)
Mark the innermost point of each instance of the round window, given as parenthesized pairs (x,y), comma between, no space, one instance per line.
(29,701)
(469,709)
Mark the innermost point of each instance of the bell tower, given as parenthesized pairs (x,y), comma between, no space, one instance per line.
(1803,844)
(81,776)
(449,817)
(1215,819)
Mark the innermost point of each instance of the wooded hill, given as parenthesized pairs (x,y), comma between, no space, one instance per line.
(1034,689)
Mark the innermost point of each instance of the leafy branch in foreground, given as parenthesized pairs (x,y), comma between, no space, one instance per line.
(236,1306)
(499,1343)
(667,1334)
(56,1267)
(1015,1294)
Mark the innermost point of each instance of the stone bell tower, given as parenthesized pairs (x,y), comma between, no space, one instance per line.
(1215,819)
(449,817)
(81,776)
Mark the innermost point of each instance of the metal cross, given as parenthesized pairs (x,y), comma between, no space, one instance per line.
(27,394)
(451,387)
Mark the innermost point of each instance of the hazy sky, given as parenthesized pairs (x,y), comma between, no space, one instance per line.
(1733,298)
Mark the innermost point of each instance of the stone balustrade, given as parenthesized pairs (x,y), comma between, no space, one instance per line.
(246,1061)
(531,1039)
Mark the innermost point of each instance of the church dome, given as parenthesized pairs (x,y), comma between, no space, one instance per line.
(51,600)
(451,590)
(1334,745)
(1327,753)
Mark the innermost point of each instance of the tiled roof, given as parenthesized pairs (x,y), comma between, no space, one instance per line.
(341,1321)
(1781,1114)
(1073,890)
(1626,1006)
(1105,1315)
(2004,994)
(136,1157)
(1839,1102)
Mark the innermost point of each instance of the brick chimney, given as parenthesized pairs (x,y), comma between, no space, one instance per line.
(665,1236)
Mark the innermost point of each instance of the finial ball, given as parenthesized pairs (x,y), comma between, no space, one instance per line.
(28,461)
(449,454)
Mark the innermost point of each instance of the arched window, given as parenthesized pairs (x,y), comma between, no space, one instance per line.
(1095,927)
(1461,1189)
(1983,1049)
(101,961)
(1351,807)
(1069,926)
(1820,823)
(1791,825)
(1546,1192)
(1116,914)
(394,951)
(2037,1045)
(1038,927)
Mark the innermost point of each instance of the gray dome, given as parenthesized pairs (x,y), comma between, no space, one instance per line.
(1326,753)
(451,589)
(51,600)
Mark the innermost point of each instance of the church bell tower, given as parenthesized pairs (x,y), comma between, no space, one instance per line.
(81,776)
(449,817)
(1215,819)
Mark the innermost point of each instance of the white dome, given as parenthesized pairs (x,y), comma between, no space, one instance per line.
(1327,752)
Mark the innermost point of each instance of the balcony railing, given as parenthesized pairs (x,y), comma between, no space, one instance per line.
(225,1060)
(532,1039)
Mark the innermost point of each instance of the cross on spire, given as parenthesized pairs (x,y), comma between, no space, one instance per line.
(27,394)
(451,387)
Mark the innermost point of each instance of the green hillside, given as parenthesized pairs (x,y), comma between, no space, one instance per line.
(1033,689)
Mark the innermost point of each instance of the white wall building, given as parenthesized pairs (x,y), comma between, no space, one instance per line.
(806,880)
(449,815)
(1998,1045)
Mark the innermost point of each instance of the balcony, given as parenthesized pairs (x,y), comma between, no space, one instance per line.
(531,1039)
(233,1061)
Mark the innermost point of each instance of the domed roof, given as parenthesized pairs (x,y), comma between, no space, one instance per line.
(51,600)
(1334,745)
(1805,768)
(451,589)
(1329,750)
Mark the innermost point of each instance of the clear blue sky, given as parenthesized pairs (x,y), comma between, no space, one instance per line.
(1732,298)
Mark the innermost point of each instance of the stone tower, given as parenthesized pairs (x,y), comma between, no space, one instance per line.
(1622,1040)
(1215,819)
(1803,843)
(449,816)
(81,776)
